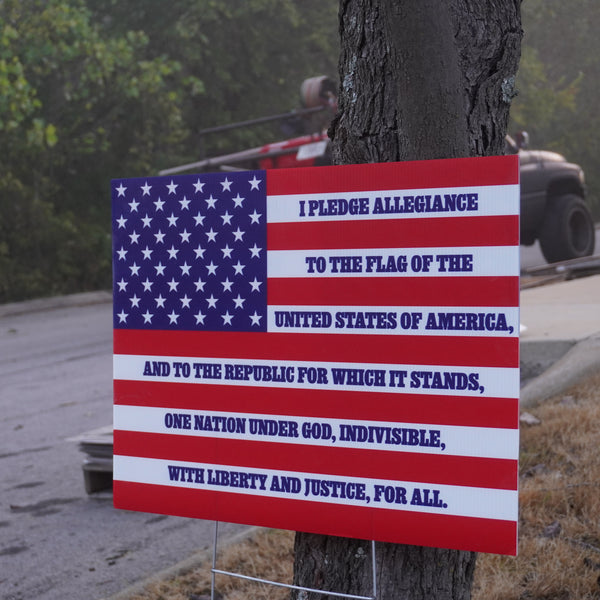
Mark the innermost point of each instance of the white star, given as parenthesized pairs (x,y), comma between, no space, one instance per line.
(172,220)
(212,235)
(185,268)
(122,252)
(173,252)
(173,317)
(199,285)
(185,301)
(185,236)
(227,285)
(122,285)
(173,284)
(172,186)
(160,236)
(135,301)
(147,285)
(227,251)
(122,316)
(238,201)
(199,219)
(160,301)
(227,318)
(227,218)
(254,183)
(159,204)
(134,269)
(212,268)
(212,302)
(239,268)
(200,316)
(239,301)
(255,251)
(211,201)
(184,203)
(146,221)
(238,235)
(199,251)
(255,318)
(160,268)
(120,190)
(199,185)
(147,316)
(121,222)
(255,217)
(255,285)
(134,237)
(147,252)
(226,184)
(146,189)
(133,206)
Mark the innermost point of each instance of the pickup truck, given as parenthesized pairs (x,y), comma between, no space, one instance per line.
(553,207)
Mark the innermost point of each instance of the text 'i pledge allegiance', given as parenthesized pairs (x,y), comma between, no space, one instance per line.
(382,205)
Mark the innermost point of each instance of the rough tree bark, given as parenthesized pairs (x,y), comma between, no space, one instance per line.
(419,79)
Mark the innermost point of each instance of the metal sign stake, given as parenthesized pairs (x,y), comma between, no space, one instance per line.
(215,571)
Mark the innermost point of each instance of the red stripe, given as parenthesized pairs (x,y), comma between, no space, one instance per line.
(422,529)
(460,172)
(351,348)
(351,462)
(399,233)
(362,406)
(390,291)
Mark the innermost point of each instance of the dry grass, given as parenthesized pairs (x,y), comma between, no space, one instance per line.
(559,528)
(559,525)
(267,555)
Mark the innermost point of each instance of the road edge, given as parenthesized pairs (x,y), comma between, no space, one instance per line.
(580,362)
(55,302)
(187,564)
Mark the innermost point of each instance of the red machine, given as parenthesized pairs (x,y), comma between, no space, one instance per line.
(319,100)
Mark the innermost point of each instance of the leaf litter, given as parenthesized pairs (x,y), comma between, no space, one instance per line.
(559,522)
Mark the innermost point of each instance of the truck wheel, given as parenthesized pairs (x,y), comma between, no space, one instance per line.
(568,229)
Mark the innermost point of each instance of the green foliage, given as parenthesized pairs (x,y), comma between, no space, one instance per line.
(71,109)
(42,254)
(559,81)
(544,103)
(240,59)
(91,91)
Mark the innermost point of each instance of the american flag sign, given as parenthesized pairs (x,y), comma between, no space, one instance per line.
(327,349)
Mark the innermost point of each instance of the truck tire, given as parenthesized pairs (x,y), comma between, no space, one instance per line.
(567,230)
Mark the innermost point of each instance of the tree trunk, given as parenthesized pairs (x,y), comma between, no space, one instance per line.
(425,79)
(419,79)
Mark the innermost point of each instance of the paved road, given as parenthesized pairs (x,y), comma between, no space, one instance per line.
(56,542)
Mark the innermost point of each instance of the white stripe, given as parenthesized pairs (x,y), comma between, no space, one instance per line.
(486,261)
(463,321)
(401,379)
(482,442)
(492,200)
(460,501)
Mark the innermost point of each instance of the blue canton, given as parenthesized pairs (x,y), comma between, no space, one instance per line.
(189,252)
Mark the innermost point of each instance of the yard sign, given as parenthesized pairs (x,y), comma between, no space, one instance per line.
(330,349)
